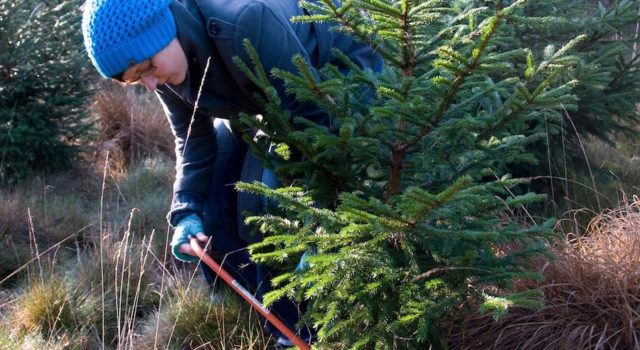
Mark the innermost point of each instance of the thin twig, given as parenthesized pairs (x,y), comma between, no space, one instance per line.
(32,237)
(164,270)
(586,159)
(104,180)
(193,116)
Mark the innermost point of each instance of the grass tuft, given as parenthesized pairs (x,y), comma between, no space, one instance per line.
(56,310)
(189,320)
(129,278)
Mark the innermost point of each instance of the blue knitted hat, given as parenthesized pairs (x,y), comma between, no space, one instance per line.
(120,33)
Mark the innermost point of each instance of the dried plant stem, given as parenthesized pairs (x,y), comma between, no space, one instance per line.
(195,105)
(164,270)
(193,115)
(186,292)
(53,327)
(104,180)
(546,132)
(586,159)
(4,151)
(32,237)
(635,43)
(132,316)
(118,290)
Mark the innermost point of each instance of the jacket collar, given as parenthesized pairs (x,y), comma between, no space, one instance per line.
(194,43)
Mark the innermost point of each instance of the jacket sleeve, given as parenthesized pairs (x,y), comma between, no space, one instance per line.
(195,148)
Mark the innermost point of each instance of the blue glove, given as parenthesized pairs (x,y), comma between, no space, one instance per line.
(190,226)
(303,264)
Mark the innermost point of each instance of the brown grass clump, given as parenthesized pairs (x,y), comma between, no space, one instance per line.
(591,295)
(132,126)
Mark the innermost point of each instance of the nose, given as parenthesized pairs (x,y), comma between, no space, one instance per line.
(150,82)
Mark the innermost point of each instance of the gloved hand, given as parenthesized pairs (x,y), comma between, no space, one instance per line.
(190,225)
(303,264)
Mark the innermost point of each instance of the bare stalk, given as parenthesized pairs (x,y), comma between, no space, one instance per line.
(104,180)
(193,115)
(118,291)
(134,306)
(55,322)
(164,270)
(635,43)
(586,159)
(195,105)
(32,236)
(36,258)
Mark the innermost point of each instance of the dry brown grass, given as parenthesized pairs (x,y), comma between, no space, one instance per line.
(132,126)
(591,293)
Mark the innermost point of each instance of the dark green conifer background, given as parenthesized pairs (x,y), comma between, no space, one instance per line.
(44,87)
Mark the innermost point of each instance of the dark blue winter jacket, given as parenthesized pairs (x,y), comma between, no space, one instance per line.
(216,29)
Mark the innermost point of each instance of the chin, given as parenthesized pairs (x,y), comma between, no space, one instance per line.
(178,80)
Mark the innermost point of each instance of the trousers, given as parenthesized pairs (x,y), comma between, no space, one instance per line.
(222,224)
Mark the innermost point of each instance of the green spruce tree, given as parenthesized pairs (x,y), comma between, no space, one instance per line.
(402,204)
(608,90)
(44,86)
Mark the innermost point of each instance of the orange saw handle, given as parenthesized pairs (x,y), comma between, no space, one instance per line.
(238,288)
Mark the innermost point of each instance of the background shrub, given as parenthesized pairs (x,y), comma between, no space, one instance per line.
(44,85)
(607,92)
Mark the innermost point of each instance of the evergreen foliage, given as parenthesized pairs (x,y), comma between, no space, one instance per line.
(608,69)
(403,204)
(43,86)
(608,75)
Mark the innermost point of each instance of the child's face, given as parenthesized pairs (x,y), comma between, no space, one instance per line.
(169,66)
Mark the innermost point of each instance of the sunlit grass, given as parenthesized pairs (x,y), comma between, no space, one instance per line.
(189,319)
(55,308)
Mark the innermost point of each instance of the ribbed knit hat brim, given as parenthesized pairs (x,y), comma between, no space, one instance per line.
(114,46)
